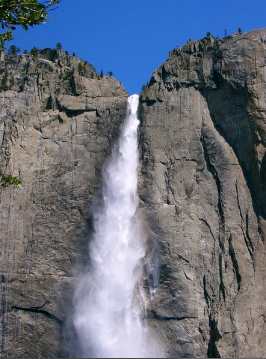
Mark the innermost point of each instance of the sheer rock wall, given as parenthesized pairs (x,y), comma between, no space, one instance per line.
(203,138)
(58,121)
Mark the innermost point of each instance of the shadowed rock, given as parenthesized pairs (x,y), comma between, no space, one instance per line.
(56,129)
(203,123)
(202,188)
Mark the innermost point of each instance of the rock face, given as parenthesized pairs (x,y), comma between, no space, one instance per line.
(58,120)
(203,187)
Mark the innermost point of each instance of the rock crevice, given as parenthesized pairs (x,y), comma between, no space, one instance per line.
(202,193)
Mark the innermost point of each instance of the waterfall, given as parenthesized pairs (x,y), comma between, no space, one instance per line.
(108,309)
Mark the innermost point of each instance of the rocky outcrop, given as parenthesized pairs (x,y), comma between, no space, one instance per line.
(58,120)
(202,186)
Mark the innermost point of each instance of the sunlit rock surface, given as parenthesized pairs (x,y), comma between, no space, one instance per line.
(201,186)
(203,126)
(57,126)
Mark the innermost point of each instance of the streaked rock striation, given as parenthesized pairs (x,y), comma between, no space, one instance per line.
(58,120)
(203,184)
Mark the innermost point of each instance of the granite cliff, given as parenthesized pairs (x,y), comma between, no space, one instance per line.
(201,184)
(58,122)
(203,138)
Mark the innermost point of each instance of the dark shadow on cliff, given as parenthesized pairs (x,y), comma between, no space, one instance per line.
(84,231)
(228,110)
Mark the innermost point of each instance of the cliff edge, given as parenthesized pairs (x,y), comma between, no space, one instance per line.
(202,187)
(58,121)
(203,138)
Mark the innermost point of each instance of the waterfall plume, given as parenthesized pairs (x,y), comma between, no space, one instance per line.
(108,311)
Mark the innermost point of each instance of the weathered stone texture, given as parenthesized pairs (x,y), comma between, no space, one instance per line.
(56,129)
(203,123)
(202,186)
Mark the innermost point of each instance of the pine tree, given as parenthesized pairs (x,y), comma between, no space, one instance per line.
(13,50)
(34,52)
(58,46)
(22,13)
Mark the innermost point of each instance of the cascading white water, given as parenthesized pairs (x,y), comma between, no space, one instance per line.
(107,312)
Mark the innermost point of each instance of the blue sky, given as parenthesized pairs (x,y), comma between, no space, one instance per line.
(132,38)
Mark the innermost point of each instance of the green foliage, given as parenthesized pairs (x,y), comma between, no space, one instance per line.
(239,30)
(6,181)
(81,68)
(11,81)
(208,35)
(58,46)
(4,82)
(50,54)
(67,75)
(6,36)
(34,52)
(13,50)
(22,13)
